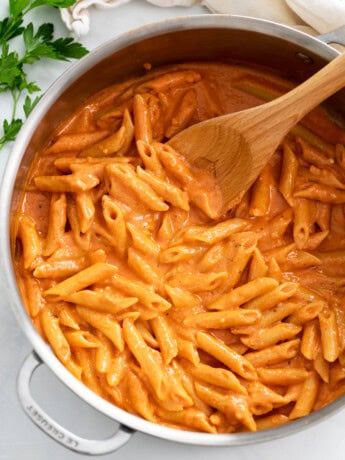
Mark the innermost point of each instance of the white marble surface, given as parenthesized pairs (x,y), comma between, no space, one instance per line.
(19,438)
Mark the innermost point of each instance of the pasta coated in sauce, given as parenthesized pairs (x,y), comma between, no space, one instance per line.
(153,298)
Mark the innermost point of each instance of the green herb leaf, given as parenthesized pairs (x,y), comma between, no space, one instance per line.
(38,45)
(45,32)
(21,7)
(10,67)
(31,88)
(10,129)
(17,7)
(56,3)
(10,28)
(66,48)
(30,104)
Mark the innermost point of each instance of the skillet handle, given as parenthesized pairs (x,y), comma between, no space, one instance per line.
(54,429)
(334,36)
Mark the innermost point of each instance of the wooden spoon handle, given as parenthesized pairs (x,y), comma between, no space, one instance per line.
(286,111)
(313,91)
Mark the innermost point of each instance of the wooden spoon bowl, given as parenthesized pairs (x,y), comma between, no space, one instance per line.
(236,147)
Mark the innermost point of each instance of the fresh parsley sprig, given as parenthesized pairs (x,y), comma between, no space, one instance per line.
(38,44)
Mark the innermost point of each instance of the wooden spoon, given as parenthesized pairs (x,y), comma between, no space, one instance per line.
(236,147)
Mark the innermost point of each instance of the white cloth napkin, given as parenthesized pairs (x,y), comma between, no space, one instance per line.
(321,15)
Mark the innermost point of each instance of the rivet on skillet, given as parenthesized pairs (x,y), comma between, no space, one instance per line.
(305,58)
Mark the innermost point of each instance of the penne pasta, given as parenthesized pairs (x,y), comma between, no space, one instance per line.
(262,399)
(197,282)
(150,362)
(181,297)
(190,418)
(165,338)
(89,375)
(57,224)
(223,320)
(81,339)
(302,223)
(81,239)
(274,354)
(282,376)
(142,122)
(158,297)
(85,209)
(31,241)
(78,182)
(78,141)
(59,268)
(243,294)
(306,313)
(238,253)
(288,174)
(261,193)
(33,295)
(116,369)
(153,167)
(54,334)
(69,318)
(258,267)
(264,338)
(105,323)
(235,362)
(310,343)
(323,193)
(217,376)
(212,257)
(329,334)
(321,366)
(271,421)
(144,293)
(281,311)
(116,224)
(187,350)
(144,269)
(139,397)
(313,155)
(144,192)
(103,353)
(171,80)
(268,300)
(179,253)
(101,300)
(217,233)
(233,406)
(86,277)
(168,192)
(306,399)
(143,242)
(108,146)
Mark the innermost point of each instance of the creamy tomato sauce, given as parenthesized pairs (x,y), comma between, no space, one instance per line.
(175,311)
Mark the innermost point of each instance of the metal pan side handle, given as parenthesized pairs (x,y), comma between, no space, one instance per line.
(334,36)
(52,428)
